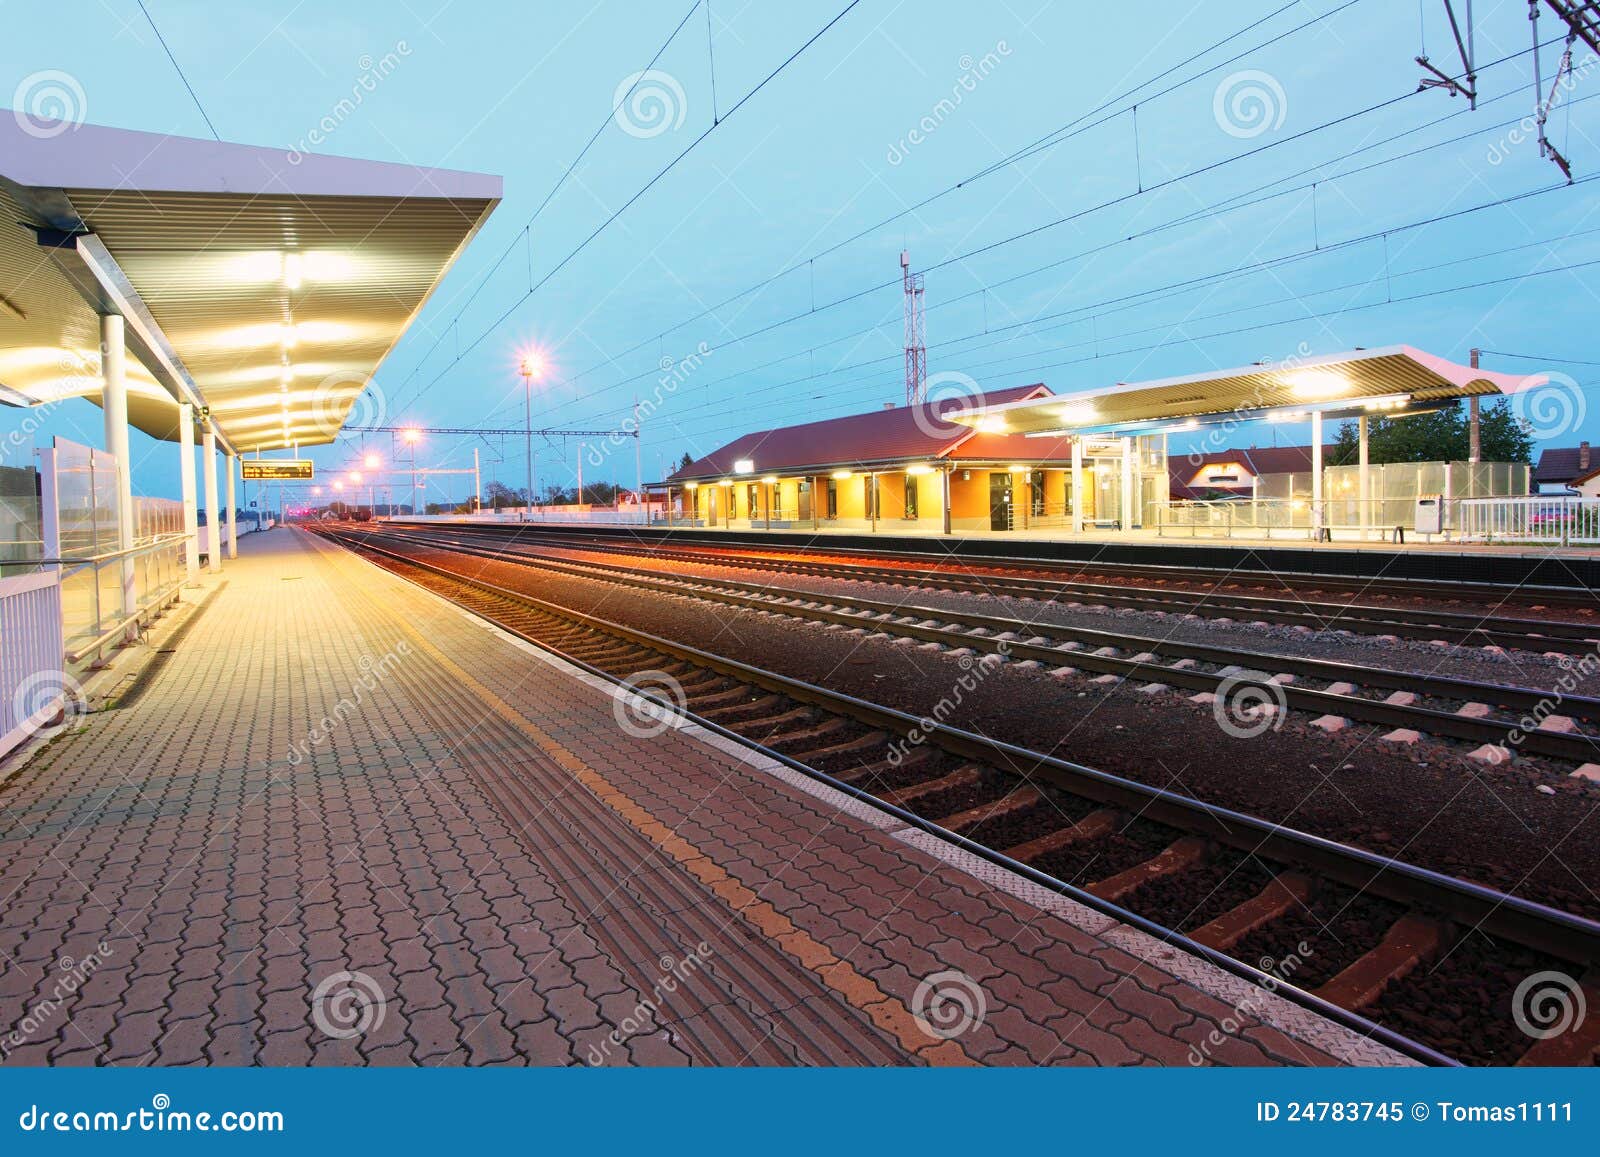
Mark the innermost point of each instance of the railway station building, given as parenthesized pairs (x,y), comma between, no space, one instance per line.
(1026,459)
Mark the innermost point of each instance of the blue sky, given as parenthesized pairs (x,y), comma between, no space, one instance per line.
(827,150)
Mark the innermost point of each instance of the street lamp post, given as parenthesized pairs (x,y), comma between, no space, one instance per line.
(532,363)
(411,438)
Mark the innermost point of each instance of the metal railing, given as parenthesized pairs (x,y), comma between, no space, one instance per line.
(32,682)
(1292,518)
(81,549)
(1554,519)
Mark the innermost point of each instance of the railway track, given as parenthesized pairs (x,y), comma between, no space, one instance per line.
(1488,627)
(1451,708)
(1239,891)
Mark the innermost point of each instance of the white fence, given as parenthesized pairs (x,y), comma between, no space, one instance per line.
(31,655)
(1555,519)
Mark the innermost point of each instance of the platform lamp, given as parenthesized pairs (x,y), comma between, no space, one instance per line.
(371,462)
(411,436)
(532,365)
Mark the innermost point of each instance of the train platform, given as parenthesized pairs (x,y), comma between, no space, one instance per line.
(337,820)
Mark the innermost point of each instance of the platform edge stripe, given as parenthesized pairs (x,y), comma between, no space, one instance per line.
(856,989)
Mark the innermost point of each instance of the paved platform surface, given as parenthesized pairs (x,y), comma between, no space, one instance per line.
(342,822)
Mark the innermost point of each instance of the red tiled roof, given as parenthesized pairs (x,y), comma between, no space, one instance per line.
(1564,463)
(1257,460)
(901,434)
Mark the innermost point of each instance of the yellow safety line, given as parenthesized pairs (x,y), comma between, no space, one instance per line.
(858,990)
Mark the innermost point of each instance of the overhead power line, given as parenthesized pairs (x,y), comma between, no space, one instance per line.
(1072,129)
(179,68)
(1054,223)
(645,188)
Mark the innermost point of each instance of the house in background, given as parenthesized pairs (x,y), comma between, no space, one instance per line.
(1561,469)
(1233,473)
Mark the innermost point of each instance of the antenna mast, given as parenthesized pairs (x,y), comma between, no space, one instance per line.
(916,334)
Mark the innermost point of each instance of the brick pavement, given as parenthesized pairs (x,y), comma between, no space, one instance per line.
(345,823)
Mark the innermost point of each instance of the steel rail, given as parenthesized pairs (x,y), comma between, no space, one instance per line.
(1561,934)
(1348,1018)
(1577,595)
(1462,629)
(1259,666)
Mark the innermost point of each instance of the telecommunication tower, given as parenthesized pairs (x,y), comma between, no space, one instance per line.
(916,334)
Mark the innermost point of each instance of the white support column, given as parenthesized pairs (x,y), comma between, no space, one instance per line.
(1077,484)
(1316,474)
(114,401)
(232,465)
(1364,489)
(208,463)
(191,519)
(944,475)
(1125,514)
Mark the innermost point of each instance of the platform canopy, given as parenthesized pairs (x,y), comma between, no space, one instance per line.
(262,286)
(1394,380)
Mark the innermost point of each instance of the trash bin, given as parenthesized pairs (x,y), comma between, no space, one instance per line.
(1429,517)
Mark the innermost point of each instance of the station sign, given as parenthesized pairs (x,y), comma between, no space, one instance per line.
(276,469)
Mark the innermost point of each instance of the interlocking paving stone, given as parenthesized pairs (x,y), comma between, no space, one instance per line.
(342,774)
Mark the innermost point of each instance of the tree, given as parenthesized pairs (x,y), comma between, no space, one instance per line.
(1441,436)
(498,494)
(688,460)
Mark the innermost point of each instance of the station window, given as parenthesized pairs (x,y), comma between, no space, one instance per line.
(833,499)
(752,501)
(869,490)
(1036,493)
(911,496)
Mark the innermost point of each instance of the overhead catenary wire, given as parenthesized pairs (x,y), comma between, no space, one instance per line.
(646,187)
(1033,231)
(1057,136)
(151,20)
(525,235)
(1123,304)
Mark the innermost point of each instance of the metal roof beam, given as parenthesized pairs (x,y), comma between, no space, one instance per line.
(88,265)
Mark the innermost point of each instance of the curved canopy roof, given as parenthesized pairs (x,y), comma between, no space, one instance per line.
(263,286)
(1393,378)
